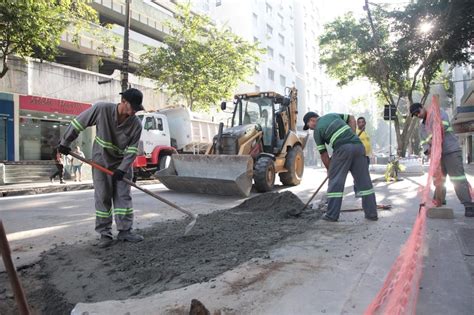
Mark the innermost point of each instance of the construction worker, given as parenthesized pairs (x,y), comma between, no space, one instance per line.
(364,137)
(451,158)
(338,131)
(118,132)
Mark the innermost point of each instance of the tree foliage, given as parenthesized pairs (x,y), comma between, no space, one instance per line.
(34,27)
(401,50)
(200,62)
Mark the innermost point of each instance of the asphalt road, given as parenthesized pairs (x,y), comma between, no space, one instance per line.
(336,269)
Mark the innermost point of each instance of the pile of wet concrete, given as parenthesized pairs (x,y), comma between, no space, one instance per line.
(165,260)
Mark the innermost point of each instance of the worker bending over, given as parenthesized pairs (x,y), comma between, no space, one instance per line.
(338,131)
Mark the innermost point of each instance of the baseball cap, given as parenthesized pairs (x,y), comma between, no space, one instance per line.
(307,117)
(134,97)
(415,108)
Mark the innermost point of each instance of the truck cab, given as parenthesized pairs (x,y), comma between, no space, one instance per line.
(154,149)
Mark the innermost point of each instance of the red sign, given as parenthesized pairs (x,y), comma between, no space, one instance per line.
(52,105)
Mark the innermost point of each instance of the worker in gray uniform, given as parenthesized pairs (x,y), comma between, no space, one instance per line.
(451,157)
(338,131)
(115,146)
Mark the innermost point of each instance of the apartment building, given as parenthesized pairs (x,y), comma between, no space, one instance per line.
(39,99)
(288,31)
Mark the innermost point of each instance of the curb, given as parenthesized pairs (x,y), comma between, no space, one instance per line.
(57,188)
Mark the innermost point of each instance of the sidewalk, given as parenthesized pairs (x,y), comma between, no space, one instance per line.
(48,187)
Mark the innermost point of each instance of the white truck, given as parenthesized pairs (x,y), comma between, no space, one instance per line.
(170,131)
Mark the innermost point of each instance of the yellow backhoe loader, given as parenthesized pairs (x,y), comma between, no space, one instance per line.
(261,142)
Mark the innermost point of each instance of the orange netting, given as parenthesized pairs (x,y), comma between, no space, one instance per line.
(399,292)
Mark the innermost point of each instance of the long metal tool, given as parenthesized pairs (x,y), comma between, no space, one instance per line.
(317,190)
(18,292)
(146,191)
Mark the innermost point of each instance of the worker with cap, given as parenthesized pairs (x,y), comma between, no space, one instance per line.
(338,131)
(115,146)
(451,157)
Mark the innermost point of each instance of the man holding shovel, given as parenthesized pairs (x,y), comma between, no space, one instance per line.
(451,157)
(338,131)
(118,132)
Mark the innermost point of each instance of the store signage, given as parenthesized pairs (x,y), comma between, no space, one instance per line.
(52,105)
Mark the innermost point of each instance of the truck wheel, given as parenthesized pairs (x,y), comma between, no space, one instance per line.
(295,165)
(165,161)
(264,174)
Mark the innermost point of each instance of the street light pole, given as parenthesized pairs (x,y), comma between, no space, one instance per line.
(125,46)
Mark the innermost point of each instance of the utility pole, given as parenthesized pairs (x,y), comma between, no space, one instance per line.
(125,46)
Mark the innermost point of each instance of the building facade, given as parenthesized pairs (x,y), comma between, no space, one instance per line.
(38,99)
(463,107)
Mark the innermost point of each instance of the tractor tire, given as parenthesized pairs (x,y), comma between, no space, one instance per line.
(264,174)
(295,165)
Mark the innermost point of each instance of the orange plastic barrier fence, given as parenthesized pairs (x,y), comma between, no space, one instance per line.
(399,293)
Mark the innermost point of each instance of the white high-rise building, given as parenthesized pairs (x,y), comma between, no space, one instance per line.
(288,30)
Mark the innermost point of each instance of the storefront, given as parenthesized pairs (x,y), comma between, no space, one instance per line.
(42,122)
(7,127)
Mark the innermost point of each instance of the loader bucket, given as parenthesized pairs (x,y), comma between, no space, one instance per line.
(209,174)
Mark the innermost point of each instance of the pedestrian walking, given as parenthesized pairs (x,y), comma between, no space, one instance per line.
(77,164)
(451,158)
(59,166)
(115,146)
(338,131)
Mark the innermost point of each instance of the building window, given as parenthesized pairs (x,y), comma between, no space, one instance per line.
(257,88)
(282,59)
(281,39)
(268,9)
(271,74)
(218,3)
(269,30)
(255,39)
(270,51)
(282,80)
(280,19)
(255,19)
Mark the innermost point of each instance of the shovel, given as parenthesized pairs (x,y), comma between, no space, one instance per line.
(315,193)
(298,212)
(146,191)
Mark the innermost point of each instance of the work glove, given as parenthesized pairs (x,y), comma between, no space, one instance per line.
(118,175)
(63,149)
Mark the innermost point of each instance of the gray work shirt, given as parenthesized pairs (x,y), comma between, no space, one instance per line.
(450,141)
(115,146)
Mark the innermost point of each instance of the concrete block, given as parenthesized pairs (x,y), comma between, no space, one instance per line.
(440,213)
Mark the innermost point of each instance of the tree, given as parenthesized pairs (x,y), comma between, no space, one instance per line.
(200,62)
(401,51)
(34,27)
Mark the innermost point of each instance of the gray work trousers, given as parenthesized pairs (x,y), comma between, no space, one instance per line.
(451,164)
(350,157)
(112,198)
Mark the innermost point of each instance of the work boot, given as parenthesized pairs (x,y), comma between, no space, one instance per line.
(469,211)
(105,241)
(128,236)
(325,217)
(374,218)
